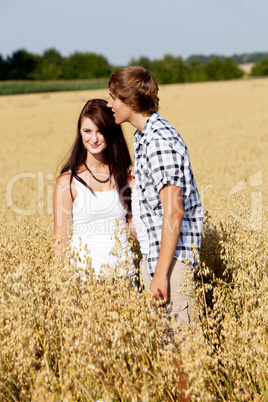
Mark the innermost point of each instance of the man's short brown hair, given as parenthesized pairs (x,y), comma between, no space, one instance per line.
(137,88)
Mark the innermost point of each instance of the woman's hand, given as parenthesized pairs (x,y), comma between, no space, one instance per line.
(131,177)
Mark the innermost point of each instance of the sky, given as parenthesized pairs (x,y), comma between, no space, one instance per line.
(121,30)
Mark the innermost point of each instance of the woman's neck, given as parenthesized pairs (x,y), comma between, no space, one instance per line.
(96,161)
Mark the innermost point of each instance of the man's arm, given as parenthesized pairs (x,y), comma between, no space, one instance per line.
(171,199)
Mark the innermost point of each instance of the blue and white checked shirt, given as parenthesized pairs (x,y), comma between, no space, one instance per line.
(161,158)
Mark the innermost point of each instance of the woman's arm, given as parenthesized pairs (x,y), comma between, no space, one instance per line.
(131,226)
(62,207)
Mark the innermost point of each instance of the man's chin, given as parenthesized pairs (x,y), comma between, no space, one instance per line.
(117,121)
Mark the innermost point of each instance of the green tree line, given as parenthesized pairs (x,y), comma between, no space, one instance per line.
(172,69)
(22,65)
(238,58)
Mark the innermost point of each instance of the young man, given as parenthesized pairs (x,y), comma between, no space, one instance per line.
(169,203)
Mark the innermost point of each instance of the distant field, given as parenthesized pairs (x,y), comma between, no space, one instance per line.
(246,67)
(224,125)
(25,87)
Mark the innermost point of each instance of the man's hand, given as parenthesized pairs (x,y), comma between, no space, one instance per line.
(159,287)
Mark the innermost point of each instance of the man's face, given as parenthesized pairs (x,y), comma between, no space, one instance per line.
(122,112)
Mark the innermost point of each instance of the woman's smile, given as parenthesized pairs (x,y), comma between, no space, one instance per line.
(93,139)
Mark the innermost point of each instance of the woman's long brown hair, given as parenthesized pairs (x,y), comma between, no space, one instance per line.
(117,152)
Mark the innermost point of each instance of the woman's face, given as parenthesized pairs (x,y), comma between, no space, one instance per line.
(93,140)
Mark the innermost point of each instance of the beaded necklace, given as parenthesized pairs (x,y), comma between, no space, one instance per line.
(94,177)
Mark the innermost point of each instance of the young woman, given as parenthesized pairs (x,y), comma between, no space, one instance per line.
(92,192)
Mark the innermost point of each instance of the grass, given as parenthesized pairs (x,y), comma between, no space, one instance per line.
(26,87)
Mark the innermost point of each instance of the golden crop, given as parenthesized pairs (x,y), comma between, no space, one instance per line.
(66,339)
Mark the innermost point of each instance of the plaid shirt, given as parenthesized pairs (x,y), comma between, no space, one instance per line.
(161,157)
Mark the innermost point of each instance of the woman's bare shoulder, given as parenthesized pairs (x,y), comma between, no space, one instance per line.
(64,178)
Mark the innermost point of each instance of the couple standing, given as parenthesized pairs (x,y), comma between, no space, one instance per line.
(94,188)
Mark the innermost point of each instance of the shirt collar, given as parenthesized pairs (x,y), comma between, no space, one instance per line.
(139,135)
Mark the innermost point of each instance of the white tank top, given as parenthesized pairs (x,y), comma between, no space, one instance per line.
(97,220)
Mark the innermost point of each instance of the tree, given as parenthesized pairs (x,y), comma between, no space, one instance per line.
(213,70)
(260,68)
(195,72)
(3,68)
(230,69)
(86,65)
(50,66)
(222,70)
(143,61)
(21,65)
(169,70)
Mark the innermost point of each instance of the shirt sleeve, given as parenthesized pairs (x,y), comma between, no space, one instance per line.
(166,163)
